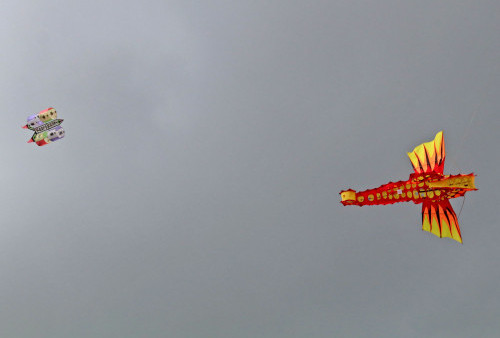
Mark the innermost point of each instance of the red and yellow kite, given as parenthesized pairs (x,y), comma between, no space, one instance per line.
(427,185)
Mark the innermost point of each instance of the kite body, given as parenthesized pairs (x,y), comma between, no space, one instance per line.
(46,125)
(427,186)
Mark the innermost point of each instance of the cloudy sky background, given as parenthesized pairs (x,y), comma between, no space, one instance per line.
(196,191)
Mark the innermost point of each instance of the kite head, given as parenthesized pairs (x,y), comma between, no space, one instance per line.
(348,197)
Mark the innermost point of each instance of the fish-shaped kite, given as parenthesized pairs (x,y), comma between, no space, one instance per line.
(427,185)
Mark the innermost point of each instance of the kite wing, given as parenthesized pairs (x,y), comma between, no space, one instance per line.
(429,157)
(440,219)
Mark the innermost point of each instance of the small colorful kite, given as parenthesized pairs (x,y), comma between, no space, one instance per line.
(427,185)
(46,125)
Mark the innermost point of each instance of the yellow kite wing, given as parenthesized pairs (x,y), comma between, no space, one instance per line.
(429,156)
(440,219)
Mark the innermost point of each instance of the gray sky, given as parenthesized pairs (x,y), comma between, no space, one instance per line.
(196,191)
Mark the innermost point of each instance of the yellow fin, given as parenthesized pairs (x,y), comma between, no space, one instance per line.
(429,156)
(440,219)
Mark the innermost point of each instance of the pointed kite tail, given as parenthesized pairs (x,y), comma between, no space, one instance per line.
(440,219)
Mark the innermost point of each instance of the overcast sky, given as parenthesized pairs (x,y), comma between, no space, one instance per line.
(196,191)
